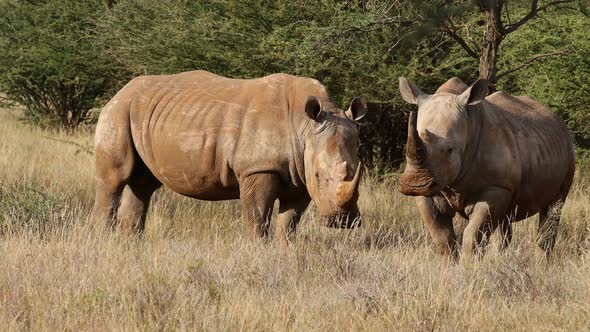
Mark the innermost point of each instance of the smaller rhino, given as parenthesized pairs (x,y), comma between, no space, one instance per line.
(492,160)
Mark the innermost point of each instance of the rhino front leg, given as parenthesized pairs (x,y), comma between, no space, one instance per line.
(258,193)
(438,217)
(290,212)
(486,216)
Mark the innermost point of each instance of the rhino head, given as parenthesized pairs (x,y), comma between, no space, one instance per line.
(332,168)
(437,135)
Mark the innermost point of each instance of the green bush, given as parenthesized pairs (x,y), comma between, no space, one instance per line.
(164,37)
(49,62)
(23,207)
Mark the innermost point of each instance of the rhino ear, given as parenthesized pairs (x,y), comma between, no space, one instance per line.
(357,109)
(313,107)
(475,94)
(410,92)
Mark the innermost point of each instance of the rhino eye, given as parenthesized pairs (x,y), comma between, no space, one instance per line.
(450,150)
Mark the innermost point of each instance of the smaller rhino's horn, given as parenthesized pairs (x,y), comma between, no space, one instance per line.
(415,152)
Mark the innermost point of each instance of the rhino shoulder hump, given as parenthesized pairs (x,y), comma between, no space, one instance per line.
(498,95)
(455,86)
(278,77)
(532,103)
(201,73)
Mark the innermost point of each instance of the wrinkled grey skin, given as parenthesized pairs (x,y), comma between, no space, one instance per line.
(493,160)
(214,138)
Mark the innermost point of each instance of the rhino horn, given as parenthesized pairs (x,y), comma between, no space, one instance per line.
(415,151)
(349,188)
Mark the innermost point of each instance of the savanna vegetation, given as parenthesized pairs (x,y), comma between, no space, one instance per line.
(195,270)
(61,60)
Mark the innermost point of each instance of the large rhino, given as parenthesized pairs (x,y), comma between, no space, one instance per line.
(493,160)
(214,138)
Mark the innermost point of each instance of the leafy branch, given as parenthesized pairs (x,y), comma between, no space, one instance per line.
(531,60)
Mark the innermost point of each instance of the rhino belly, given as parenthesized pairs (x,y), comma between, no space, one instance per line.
(538,190)
(194,163)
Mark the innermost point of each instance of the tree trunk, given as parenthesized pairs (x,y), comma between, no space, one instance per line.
(492,38)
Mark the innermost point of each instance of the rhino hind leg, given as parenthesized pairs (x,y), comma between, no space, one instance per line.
(115,160)
(549,218)
(106,203)
(111,178)
(136,199)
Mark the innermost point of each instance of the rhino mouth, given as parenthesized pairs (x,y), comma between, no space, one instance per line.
(416,180)
(417,185)
(342,220)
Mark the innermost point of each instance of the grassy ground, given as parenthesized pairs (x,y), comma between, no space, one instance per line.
(194,270)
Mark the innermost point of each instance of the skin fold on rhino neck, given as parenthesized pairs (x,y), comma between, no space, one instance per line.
(474,128)
(297,135)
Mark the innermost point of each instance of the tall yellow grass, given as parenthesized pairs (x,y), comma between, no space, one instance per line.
(194,270)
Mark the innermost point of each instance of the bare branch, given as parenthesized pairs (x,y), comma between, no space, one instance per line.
(474,43)
(451,31)
(498,17)
(369,27)
(508,15)
(535,9)
(376,25)
(530,61)
(81,148)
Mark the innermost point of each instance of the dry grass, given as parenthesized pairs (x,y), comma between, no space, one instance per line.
(195,271)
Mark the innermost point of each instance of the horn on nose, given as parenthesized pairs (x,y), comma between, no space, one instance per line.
(349,188)
(415,151)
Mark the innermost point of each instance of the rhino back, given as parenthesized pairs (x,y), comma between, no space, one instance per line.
(537,157)
(199,133)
